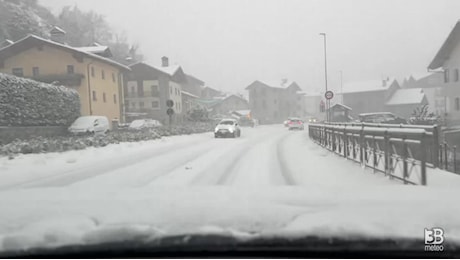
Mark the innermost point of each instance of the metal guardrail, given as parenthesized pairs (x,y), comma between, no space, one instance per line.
(433,157)
(448,157)
(400,153)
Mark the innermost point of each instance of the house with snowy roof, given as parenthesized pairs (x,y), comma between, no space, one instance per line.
(431,83)
(224,104)
(274,101)
(403,102)
(208,92)
(149,87)
(98,79)
(447,61)
(368,96)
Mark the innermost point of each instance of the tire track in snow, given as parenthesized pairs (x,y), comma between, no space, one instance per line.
(95,169)
(284,168)
(259,164)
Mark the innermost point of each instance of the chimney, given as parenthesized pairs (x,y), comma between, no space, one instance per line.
(57,34)
(384,83)
(164,61)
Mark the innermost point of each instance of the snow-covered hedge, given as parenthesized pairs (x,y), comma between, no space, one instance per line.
(66,143)
(24,102)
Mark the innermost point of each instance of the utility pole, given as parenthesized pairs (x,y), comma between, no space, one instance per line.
(328,102)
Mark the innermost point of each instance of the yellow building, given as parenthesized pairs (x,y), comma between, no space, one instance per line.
(98,80)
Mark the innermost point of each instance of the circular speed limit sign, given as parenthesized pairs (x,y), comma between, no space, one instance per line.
(329,94)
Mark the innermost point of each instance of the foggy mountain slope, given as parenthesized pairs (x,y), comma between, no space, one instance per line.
(21,17)
(18,18)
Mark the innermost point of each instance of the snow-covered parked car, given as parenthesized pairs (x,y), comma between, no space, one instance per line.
(381,118)
(227,128)
(144,124)
(90,125)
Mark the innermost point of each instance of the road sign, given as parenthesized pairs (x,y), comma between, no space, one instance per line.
(170,111)
(329,94)
(169,103)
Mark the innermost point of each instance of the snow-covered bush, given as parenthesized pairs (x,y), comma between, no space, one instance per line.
(66,143)
(24,102)
(420,116)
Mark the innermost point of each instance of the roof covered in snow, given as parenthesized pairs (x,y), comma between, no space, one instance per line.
(447,47)
(33,40)
(100,50)
(277,83)
(188,94)
(406,96)
(367,86)
(170,70)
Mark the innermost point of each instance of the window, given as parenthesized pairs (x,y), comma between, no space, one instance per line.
(457,104)
(155,91)
(456,75)
(155,104)
(104,97)
(92,72)
(127,103)
(113,77)
(133,90)
(264,104)
(94,96)
(133,105)
(114,98)
(18,72)
(170,90)
(274,101)
(446,75)
(141,104)
(102,74)
(70,69)
(35,71)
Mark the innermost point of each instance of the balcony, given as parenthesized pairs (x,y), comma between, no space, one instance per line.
(142,95)
(70,80)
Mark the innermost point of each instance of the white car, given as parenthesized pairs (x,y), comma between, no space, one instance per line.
(227,128)
(90,125)
(144,123)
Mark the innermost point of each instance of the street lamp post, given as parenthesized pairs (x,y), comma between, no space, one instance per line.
(325,76)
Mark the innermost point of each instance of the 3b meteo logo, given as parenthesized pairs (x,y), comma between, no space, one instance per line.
(433,239)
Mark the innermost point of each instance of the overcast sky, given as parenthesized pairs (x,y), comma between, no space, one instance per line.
(230,43)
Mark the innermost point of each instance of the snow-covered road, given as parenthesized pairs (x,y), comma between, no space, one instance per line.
(269,181)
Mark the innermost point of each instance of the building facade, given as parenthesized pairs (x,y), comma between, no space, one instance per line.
(98,80)
(148,88)
(227,104)
(368,96)
(273,102)
(447,61)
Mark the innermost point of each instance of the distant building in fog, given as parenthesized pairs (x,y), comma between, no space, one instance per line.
(274,101)
(209,92)
(149,87)
(368,96)
(431,83)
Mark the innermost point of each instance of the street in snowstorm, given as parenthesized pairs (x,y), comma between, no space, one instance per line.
(268,180)
(262,156)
